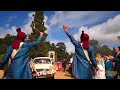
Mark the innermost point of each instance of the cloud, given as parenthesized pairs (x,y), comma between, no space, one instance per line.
(54,41)
(50,30)
(105,33)
(69,46)
(2,32)
(46,24)
(78,18)
(12,30)
(27,28)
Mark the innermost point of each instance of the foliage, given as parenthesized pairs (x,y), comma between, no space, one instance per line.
(6,41)
(61,51)
(103,50)
(38,26)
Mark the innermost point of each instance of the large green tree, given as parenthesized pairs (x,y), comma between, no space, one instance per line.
(38,26)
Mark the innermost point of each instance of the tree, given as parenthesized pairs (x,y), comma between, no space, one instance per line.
(94,43)
(61,46)
(5,42)
(52,47)
(56,57)
(61,51)
(38,26)
(105,50)
(9,39)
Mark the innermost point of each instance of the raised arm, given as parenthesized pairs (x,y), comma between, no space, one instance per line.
(70,36)
(5,58)
(114,59)
(30,44)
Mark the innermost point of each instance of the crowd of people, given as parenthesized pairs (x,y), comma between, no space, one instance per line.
(109,67)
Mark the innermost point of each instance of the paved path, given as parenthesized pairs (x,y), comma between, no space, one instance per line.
(58,74)
(62,75)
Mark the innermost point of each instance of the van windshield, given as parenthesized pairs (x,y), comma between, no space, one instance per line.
(42,60)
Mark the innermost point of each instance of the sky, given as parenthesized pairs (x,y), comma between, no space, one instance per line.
(99,25)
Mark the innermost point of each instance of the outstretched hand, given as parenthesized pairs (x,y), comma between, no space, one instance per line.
(111,57)
(41,33)
(65,27)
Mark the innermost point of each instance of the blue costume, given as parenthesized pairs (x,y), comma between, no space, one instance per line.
(19,67)
(108,69)
(110,72)
(81,67)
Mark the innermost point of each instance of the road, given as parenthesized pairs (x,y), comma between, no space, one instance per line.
(62,75)
(58,74)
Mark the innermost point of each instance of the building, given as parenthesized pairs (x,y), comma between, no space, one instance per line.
(51,54)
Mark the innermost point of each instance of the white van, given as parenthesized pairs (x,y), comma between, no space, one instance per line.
(43,67)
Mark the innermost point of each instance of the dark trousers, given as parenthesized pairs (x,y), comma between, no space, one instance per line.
(64,68)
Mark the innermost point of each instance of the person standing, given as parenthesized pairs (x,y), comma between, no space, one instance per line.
(84,60)
(109,67)
(18,54)
(64,65)
(100,74)
(117,62)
